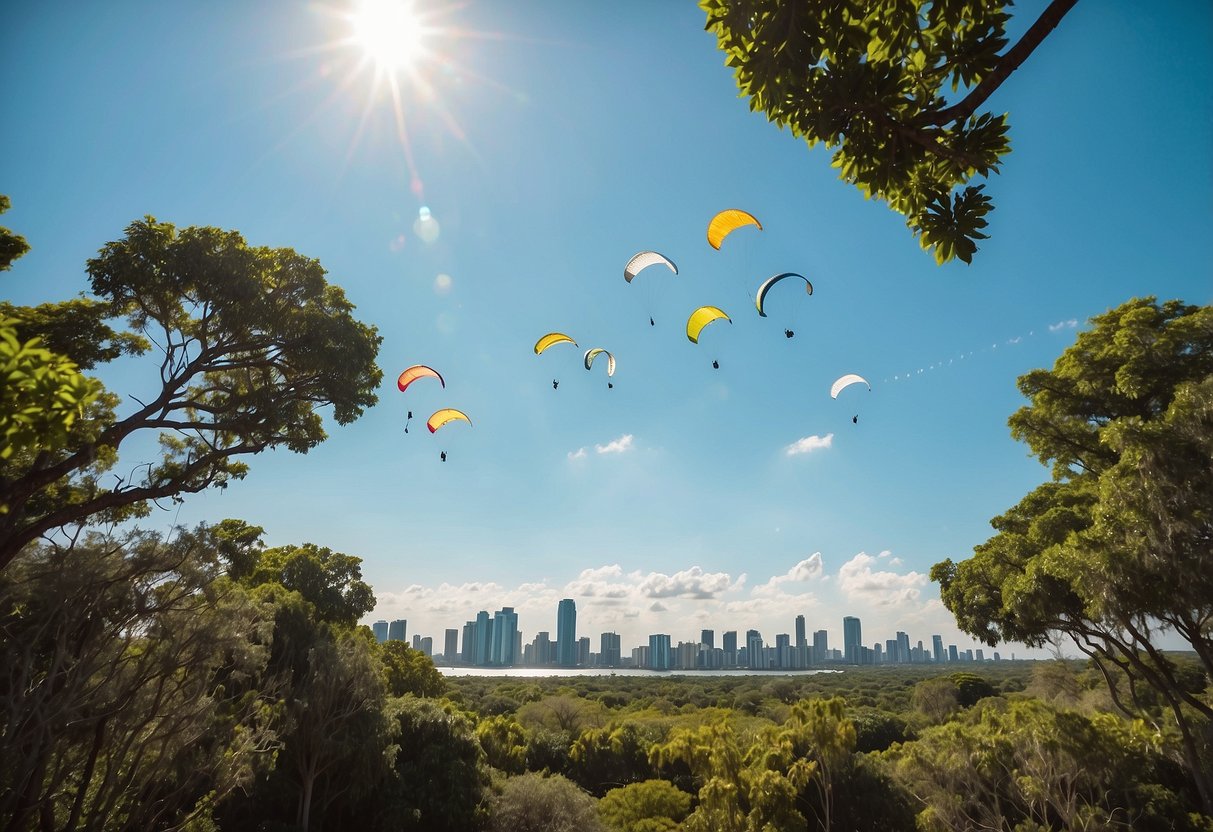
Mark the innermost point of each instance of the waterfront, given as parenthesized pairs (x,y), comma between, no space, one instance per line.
(531,672)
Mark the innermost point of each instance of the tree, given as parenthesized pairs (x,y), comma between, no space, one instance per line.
(1114,552)
(252,343)
(1023,765)
(438,781)
(869,78)
(534,803)
(124,701)
(650,806)
(409,671)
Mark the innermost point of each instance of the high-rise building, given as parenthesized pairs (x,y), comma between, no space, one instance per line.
(542,648)
(890,651)
(450,648)
(903,647)
(468,654)
(937,648)
(566,633)
(379,628)
(505,637)
(660,657)
(800,638)
(981,655)
(395,630)
(707,638)
(416,641)
(783,650)
(729,642)
(821,647)
(483,646)
(427,646)
(609,650)
(852,639)
(953,656)
(753,646)
(583,651)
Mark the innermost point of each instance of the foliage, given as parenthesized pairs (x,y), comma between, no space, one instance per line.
(252,343)
(1024,765)
(409,671)
(330,581)
(868,81)
(504,742)
(12,245)
(533,803)
(41,396)
(603,758)
(1115,548)
(128,695)
(648,806)
(437,780)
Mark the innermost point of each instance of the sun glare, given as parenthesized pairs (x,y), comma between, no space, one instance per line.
(390,32)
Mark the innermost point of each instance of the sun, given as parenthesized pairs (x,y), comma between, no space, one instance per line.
(390,32)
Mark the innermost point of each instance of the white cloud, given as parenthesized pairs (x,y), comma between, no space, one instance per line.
(616,446)
(1060,325)
(657,606)
(689,583)
(577,454)
(809,444)
(863,585)
(808,569)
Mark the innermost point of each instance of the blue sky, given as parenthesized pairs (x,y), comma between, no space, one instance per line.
(552,141)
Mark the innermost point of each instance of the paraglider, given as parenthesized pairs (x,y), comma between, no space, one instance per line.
(641,261)
(700,318)
(761,297)
(787,333)
(846,381)
(591,354)
(411,374)
(550,340)
(726,222)
(445,417)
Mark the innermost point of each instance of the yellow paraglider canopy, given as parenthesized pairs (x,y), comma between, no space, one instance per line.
(700,318)
(726,222)
(552,338)
(444,416)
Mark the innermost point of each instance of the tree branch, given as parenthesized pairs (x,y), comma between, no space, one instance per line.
(1009,62)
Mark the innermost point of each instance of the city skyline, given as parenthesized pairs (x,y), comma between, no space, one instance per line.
(878,589)
(666,651)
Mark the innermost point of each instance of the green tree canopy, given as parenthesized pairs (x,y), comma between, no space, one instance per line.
(1114,552)
(869,80)
(250,342)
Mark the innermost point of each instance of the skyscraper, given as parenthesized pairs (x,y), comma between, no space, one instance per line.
(729,642)
(608,653)
(450,649)
(566,633)
(505,637)
(468,654)
(800,639)
(937,648)
(821,646)
(660,657)
(852,639)
(395,630)
(753,646)
(707,637)
(484,639)
(379,628)
(903,647)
